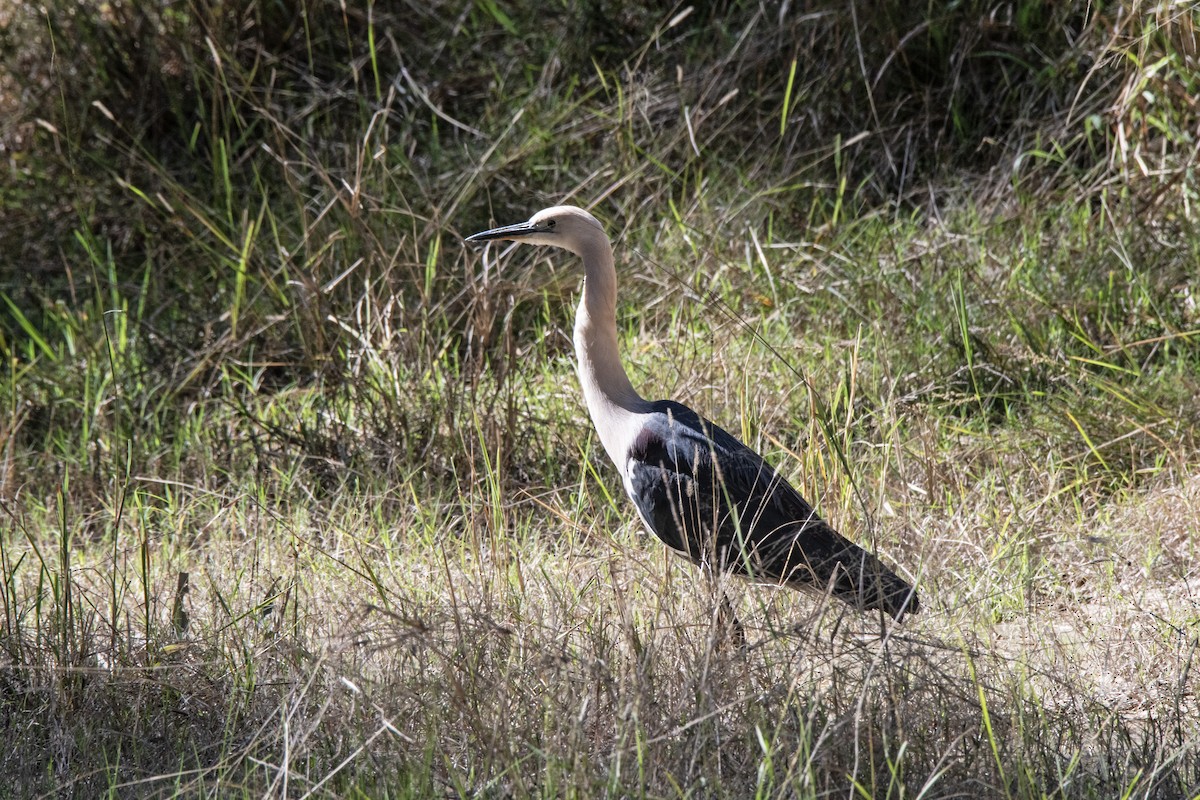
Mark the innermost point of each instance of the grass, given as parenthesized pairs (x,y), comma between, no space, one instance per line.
(299,497)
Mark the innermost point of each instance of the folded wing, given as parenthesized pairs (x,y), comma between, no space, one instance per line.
(716,501)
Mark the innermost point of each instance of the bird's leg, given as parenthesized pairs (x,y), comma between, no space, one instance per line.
(728,621)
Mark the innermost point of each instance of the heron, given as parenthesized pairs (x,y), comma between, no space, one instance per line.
(702,492)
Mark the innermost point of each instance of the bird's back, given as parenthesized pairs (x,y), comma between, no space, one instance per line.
(715,500)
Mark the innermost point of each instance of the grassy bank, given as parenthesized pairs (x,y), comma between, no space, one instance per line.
(300,499)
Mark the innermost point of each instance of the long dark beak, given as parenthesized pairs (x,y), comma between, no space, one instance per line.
(506,232)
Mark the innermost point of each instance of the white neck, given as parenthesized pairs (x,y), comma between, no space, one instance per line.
(610,397)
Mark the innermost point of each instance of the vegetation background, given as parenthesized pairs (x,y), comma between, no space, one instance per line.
(299,499)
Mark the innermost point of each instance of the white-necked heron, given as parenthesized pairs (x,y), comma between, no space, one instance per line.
(700,490)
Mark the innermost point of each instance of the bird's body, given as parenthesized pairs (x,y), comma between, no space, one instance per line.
(697,488)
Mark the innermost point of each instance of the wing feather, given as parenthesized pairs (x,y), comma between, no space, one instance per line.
(712,498)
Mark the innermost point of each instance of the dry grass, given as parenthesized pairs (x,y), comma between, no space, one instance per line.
(429,651)
(299,498)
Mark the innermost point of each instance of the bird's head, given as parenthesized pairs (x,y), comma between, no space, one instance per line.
(567,227)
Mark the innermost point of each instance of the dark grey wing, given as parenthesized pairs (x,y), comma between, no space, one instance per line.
(709,496)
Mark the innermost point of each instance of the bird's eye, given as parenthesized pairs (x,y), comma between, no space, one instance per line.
(550,223)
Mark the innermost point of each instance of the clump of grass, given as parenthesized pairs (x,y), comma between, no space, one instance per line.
(298,495)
